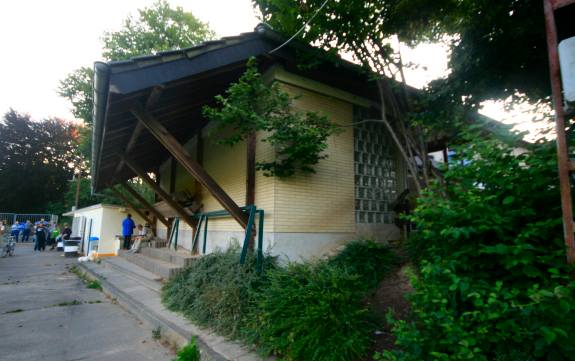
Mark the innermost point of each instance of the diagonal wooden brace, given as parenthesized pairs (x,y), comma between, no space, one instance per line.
(131,204)
(145,203)
(188,162)
(184,215)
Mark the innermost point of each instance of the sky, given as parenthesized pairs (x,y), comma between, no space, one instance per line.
(43,41)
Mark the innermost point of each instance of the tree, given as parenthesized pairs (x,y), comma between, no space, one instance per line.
(77,88)
(157,28)
(497,50)
(250,106)
(36,161)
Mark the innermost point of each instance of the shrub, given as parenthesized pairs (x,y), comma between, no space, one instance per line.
(190,352)
(313,312)
(368,259)
(493,281)
(217,291)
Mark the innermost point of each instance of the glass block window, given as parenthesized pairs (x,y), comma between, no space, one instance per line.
(375,174)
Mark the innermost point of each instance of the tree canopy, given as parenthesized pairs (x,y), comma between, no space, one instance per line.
(497,47)
(37,158)
(157,28)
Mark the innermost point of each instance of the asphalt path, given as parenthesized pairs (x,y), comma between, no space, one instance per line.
(47,313)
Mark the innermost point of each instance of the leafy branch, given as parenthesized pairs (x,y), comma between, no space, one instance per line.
(251,106)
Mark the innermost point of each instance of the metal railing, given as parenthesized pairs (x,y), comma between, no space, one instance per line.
(11,218)
(252,211)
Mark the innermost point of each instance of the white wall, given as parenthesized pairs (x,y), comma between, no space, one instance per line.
(106,224)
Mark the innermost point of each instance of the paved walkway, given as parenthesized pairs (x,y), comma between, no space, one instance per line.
(139,290)
(48,314)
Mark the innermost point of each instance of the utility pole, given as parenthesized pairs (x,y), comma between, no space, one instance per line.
(564,163)
(78,181)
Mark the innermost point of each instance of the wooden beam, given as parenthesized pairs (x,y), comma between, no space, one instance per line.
(154,97)
(145,203)
(165,196)
(152,102)
(131,204)
(190,164)
(557,4)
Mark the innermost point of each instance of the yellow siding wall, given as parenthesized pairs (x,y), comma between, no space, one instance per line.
(324,201)
(321,202)
(227,165)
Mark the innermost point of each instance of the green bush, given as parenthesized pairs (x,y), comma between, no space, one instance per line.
(493,283)
(368,259)
(217,291)
(313,312)
(308,311)
(190,352)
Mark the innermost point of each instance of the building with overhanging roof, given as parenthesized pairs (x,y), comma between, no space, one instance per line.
(148,120)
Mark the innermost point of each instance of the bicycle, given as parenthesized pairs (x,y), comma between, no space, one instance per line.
(9,247)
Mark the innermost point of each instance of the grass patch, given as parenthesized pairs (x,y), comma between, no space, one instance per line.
(18,310)
(190,352)
(94,284)
(69,303)
(87,280)
(157,333)
(216,291)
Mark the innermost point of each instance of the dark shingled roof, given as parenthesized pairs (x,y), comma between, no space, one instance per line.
(191,78)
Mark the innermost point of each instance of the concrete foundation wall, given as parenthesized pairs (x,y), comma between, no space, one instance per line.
(291,247)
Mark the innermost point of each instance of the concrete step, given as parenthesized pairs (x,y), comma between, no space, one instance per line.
(159,267)
(179,258)
(136,273)
(158,243)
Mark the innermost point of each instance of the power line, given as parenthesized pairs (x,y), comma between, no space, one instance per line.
(301,29)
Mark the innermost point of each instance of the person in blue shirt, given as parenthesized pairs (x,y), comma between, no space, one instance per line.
(21,228)
(15,230)
(28,228)
(128,226)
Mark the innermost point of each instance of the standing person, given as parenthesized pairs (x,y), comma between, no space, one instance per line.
(21,228)
(2,228)
(40,244)
(15,230)
(28,227)
(128,226)
(54,235)
(66,232)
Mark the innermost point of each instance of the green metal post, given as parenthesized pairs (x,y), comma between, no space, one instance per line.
(248,234)
(205,235)
(176,232)
(260,258)
(197,234)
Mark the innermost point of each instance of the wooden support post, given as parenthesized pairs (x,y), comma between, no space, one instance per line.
(190,164)
(145,204)
(132,205)
(165,196)
(251,169)
(251,180)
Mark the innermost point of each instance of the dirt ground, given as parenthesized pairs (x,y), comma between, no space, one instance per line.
(390,296)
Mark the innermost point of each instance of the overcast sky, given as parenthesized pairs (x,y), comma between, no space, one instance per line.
(42,41)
